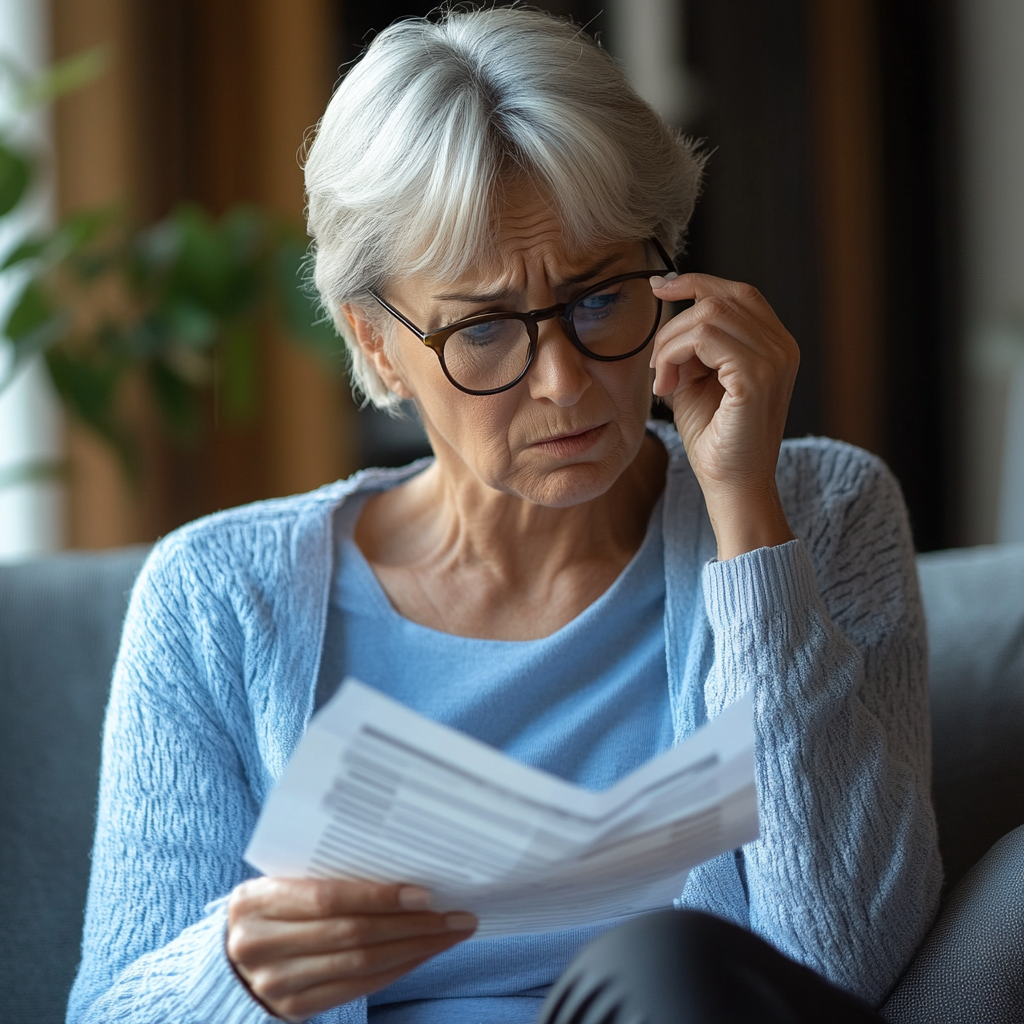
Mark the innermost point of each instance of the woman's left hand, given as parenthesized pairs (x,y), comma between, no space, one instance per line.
(726,366)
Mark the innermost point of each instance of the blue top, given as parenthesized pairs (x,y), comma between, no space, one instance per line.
(588,703)
(217,673)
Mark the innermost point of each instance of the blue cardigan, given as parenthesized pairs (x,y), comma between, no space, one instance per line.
(215,682)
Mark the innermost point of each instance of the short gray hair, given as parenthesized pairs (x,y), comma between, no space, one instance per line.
(437,119)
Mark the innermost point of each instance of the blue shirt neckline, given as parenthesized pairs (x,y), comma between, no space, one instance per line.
(347,552)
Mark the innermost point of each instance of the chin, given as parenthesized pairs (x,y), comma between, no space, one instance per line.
(570,485)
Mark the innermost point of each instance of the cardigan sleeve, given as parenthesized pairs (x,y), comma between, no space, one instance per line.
(175,811)
(828,632)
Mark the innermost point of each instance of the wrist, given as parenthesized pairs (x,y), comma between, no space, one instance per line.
(745,520)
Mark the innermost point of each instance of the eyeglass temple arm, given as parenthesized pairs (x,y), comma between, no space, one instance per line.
(669,262)
(405,321)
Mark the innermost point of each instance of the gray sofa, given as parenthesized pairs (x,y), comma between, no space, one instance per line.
(59,623)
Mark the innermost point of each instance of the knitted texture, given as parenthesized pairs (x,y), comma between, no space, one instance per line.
(216,676)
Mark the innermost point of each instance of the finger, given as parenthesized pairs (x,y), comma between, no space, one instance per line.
(314,898)
(369,960)
(754,329)
(255,940)
(694,356)
(703,286)
(300,1006)
(671,376)
(282,978)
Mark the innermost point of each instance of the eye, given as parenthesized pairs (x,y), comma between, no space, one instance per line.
(488,333)
(598,305)
(481,334)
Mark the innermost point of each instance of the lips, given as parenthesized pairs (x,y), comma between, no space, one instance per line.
(567,435)
(573,442)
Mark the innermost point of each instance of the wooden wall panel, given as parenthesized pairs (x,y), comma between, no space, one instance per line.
(95,166)
(847,130)
(208,102)
(305,423)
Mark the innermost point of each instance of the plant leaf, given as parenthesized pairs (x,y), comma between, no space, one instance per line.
(15,172)
(37,471)
(30,249)
(218,265)
(177,402)
(65,76)
(30,312)
(245,230)
(32,326)
(300,310)
(239,376)
(190,324)
(83,227)
(203,268)
(89,388)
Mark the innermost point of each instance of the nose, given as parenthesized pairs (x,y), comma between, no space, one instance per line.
(559,373)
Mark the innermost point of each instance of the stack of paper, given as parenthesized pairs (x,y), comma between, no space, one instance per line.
(376,791)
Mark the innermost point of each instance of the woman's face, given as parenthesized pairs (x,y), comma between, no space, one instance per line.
(563,434)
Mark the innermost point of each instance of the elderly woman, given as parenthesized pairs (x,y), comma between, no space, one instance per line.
(493,210)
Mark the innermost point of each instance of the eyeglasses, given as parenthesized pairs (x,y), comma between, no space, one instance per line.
(492,352)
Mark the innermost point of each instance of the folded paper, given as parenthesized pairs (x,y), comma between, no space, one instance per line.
(376,791)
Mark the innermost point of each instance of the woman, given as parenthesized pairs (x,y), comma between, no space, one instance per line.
(493,208)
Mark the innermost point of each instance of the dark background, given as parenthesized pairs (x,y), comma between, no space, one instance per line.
(752,61)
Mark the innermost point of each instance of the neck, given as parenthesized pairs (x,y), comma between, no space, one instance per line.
(444,519)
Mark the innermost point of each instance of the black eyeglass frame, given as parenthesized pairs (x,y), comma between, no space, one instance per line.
(435,340)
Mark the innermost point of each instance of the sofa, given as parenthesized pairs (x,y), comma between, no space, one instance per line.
(60,619)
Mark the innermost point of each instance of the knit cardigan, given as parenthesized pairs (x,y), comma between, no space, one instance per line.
(215,680)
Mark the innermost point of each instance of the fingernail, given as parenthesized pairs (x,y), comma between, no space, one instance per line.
(459,922)
(660,282)
(413,897)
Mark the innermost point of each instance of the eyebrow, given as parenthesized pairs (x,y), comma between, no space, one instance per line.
(504,293)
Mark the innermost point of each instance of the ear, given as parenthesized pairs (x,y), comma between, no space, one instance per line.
(371,344)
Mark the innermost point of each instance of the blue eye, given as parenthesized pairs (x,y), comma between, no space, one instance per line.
(599,301)
(597,306)
(489,333)
(478,334)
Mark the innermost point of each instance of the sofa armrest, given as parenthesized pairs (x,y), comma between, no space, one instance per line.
(969,968)
(60,623)
(974,603)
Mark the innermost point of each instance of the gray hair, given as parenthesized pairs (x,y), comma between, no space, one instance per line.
(436,121)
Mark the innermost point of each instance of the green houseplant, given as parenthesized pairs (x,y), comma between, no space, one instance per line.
(178,305)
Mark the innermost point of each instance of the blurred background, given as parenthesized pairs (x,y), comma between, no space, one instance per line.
(867,176)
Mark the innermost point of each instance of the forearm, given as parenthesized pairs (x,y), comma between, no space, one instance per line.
(173,815)
(189,978)
(846,874)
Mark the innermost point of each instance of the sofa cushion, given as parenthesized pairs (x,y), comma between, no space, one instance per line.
(974,602)
(60,620)
(969,967)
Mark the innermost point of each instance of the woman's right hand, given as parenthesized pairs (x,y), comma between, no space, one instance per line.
(306,945)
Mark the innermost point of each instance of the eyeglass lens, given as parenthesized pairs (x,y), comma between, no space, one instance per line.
(609,321)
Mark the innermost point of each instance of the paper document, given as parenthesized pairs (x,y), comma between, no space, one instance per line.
(377,791)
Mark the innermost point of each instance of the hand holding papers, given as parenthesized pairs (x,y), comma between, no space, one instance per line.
(376,791)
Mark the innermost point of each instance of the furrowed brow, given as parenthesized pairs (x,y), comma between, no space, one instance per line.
(591,272)
(497,296)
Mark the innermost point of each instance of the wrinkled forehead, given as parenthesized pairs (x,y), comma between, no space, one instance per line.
(519,229)
(509,269)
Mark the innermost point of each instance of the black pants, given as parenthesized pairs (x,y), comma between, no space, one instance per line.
(685,967)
